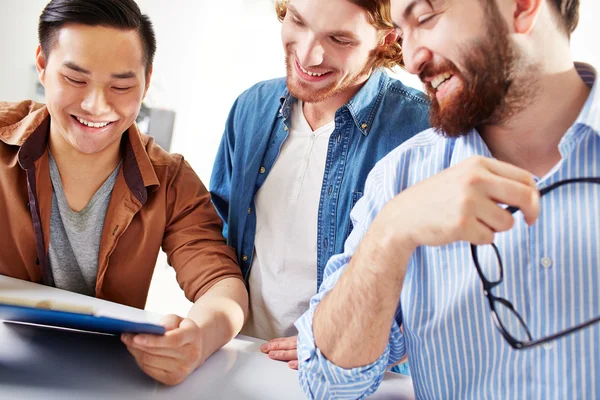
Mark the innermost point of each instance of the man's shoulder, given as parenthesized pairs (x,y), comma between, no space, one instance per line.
(264,92)
(420,157)
(19,119)
(397,89)
(159,157)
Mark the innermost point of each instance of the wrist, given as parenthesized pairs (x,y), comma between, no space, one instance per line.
(393,239)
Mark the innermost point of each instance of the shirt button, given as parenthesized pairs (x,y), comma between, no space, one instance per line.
(546,262)
(244,258)
(285,128)
(364,126)
(548,346)
(249,211)
(262,170)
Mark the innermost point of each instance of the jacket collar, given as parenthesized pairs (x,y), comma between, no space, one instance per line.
(363,106)
(31,134)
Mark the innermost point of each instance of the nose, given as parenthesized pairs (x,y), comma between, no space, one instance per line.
(310,52)
(95,102)
(415,55)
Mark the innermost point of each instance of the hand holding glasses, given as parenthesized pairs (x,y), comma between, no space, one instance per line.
(507,319)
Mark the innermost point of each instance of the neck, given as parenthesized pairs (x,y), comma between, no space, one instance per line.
(76,166)
(530,138)
(323,112)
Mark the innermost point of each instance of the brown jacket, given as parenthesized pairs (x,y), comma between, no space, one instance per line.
(157,201)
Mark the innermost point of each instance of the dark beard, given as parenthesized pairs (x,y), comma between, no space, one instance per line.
(489,94)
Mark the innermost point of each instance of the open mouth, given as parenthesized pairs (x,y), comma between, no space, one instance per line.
(92,124)
(439,81)
(311,75)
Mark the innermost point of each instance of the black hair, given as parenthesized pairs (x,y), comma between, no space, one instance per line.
(120,14)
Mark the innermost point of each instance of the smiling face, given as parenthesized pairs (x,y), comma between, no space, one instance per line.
(95,80)
(462,52)
(329,48)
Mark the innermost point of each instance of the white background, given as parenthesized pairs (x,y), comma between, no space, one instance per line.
(208,53)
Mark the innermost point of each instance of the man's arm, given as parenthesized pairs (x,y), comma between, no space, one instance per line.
(461,203)
(364,300)
(220,314)
(207,270)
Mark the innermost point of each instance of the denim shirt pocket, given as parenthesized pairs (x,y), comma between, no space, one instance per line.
(356,196)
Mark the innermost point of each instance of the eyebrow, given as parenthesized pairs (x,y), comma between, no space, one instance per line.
(348,34)
(408,11)
(123,75)
(292,9)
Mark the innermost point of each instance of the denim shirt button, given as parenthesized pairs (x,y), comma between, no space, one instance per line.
(262,170)
(244,258)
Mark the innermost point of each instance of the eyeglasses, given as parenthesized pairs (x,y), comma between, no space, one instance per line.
(517,333)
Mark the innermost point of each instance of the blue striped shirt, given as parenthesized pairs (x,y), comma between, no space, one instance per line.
(551,275)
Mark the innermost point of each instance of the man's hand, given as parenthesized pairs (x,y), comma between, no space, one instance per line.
(283,349)
(460,203)
(171,358)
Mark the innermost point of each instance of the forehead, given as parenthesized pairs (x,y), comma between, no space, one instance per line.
(401,9)
(330,15)
(98,49)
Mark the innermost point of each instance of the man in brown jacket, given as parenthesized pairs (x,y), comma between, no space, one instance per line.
(86,201)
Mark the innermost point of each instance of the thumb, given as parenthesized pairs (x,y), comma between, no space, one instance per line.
(171,321)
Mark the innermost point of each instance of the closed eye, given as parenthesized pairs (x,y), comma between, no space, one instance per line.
(422,20)
(74,81)
(340,42)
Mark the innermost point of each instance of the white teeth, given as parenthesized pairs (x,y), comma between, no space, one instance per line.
(438,80)
(310,73)
(92,124)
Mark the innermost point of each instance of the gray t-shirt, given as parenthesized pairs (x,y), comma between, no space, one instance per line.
(75,236)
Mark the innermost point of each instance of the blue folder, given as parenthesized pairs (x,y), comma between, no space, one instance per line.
(74,320)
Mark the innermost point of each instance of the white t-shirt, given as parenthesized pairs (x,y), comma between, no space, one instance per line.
(283,277)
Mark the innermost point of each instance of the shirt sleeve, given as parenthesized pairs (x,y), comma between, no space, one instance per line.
(220,180)
(320,378)
(193,238)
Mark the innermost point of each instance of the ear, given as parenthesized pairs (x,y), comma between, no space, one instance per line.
(526,14)
(389,38)
(40,64)
(148,79)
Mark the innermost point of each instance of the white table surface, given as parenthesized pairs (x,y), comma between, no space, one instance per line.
(38,363)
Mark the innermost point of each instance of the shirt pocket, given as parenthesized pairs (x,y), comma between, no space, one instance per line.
(356,196)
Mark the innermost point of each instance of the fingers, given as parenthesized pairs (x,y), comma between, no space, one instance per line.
(293,364)
(287,343)
(157,351)
(513,186)
(169,358)
(144,360)
(507,171)
(493,216)
(184,334)
(284,355)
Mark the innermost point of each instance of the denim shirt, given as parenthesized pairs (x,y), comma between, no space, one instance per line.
(381,116)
